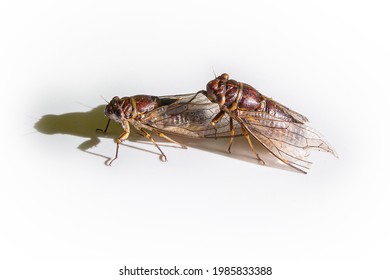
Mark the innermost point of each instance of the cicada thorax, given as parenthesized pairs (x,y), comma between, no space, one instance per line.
(251,99)
(131,108)
(235,96)
(142,104)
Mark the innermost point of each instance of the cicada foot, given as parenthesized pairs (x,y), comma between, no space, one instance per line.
(111,161)
(118,141)
(163,157)
(262,162)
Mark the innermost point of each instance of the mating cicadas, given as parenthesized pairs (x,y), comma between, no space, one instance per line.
(282,131)
(185,115)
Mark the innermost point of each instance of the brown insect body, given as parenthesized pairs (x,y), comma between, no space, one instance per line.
(228,92)
(281,130)
(130,108)
(185,115)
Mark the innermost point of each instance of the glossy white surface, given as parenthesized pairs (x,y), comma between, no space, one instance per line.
(65,213)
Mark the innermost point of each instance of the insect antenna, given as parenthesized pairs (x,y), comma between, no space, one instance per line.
(215,75)
(104,99)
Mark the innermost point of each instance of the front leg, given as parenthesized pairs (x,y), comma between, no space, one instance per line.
(99,130)
(231,134)
(216,119)
(121,138)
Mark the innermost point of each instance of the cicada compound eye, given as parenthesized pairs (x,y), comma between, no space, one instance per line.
(113,109)
(212,87)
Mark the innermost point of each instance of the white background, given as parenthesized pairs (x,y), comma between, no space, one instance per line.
(66,215)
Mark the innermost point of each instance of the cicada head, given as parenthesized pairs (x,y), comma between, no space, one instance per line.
(216,89)
(118,109)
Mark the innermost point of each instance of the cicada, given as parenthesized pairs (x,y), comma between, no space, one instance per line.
(282,131)
(185,115)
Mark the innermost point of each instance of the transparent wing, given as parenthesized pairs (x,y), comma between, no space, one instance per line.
(291,142)
(187,115)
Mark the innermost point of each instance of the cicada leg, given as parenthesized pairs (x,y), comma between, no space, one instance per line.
(246,135)
(120,139)
(116,154)
(105,130)
(231,134)
(216,119)
(147,135)
(169,139)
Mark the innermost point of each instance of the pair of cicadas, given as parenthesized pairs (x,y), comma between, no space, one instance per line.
(226,106)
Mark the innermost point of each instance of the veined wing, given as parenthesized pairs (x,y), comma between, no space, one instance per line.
(187,115)
(291,142)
